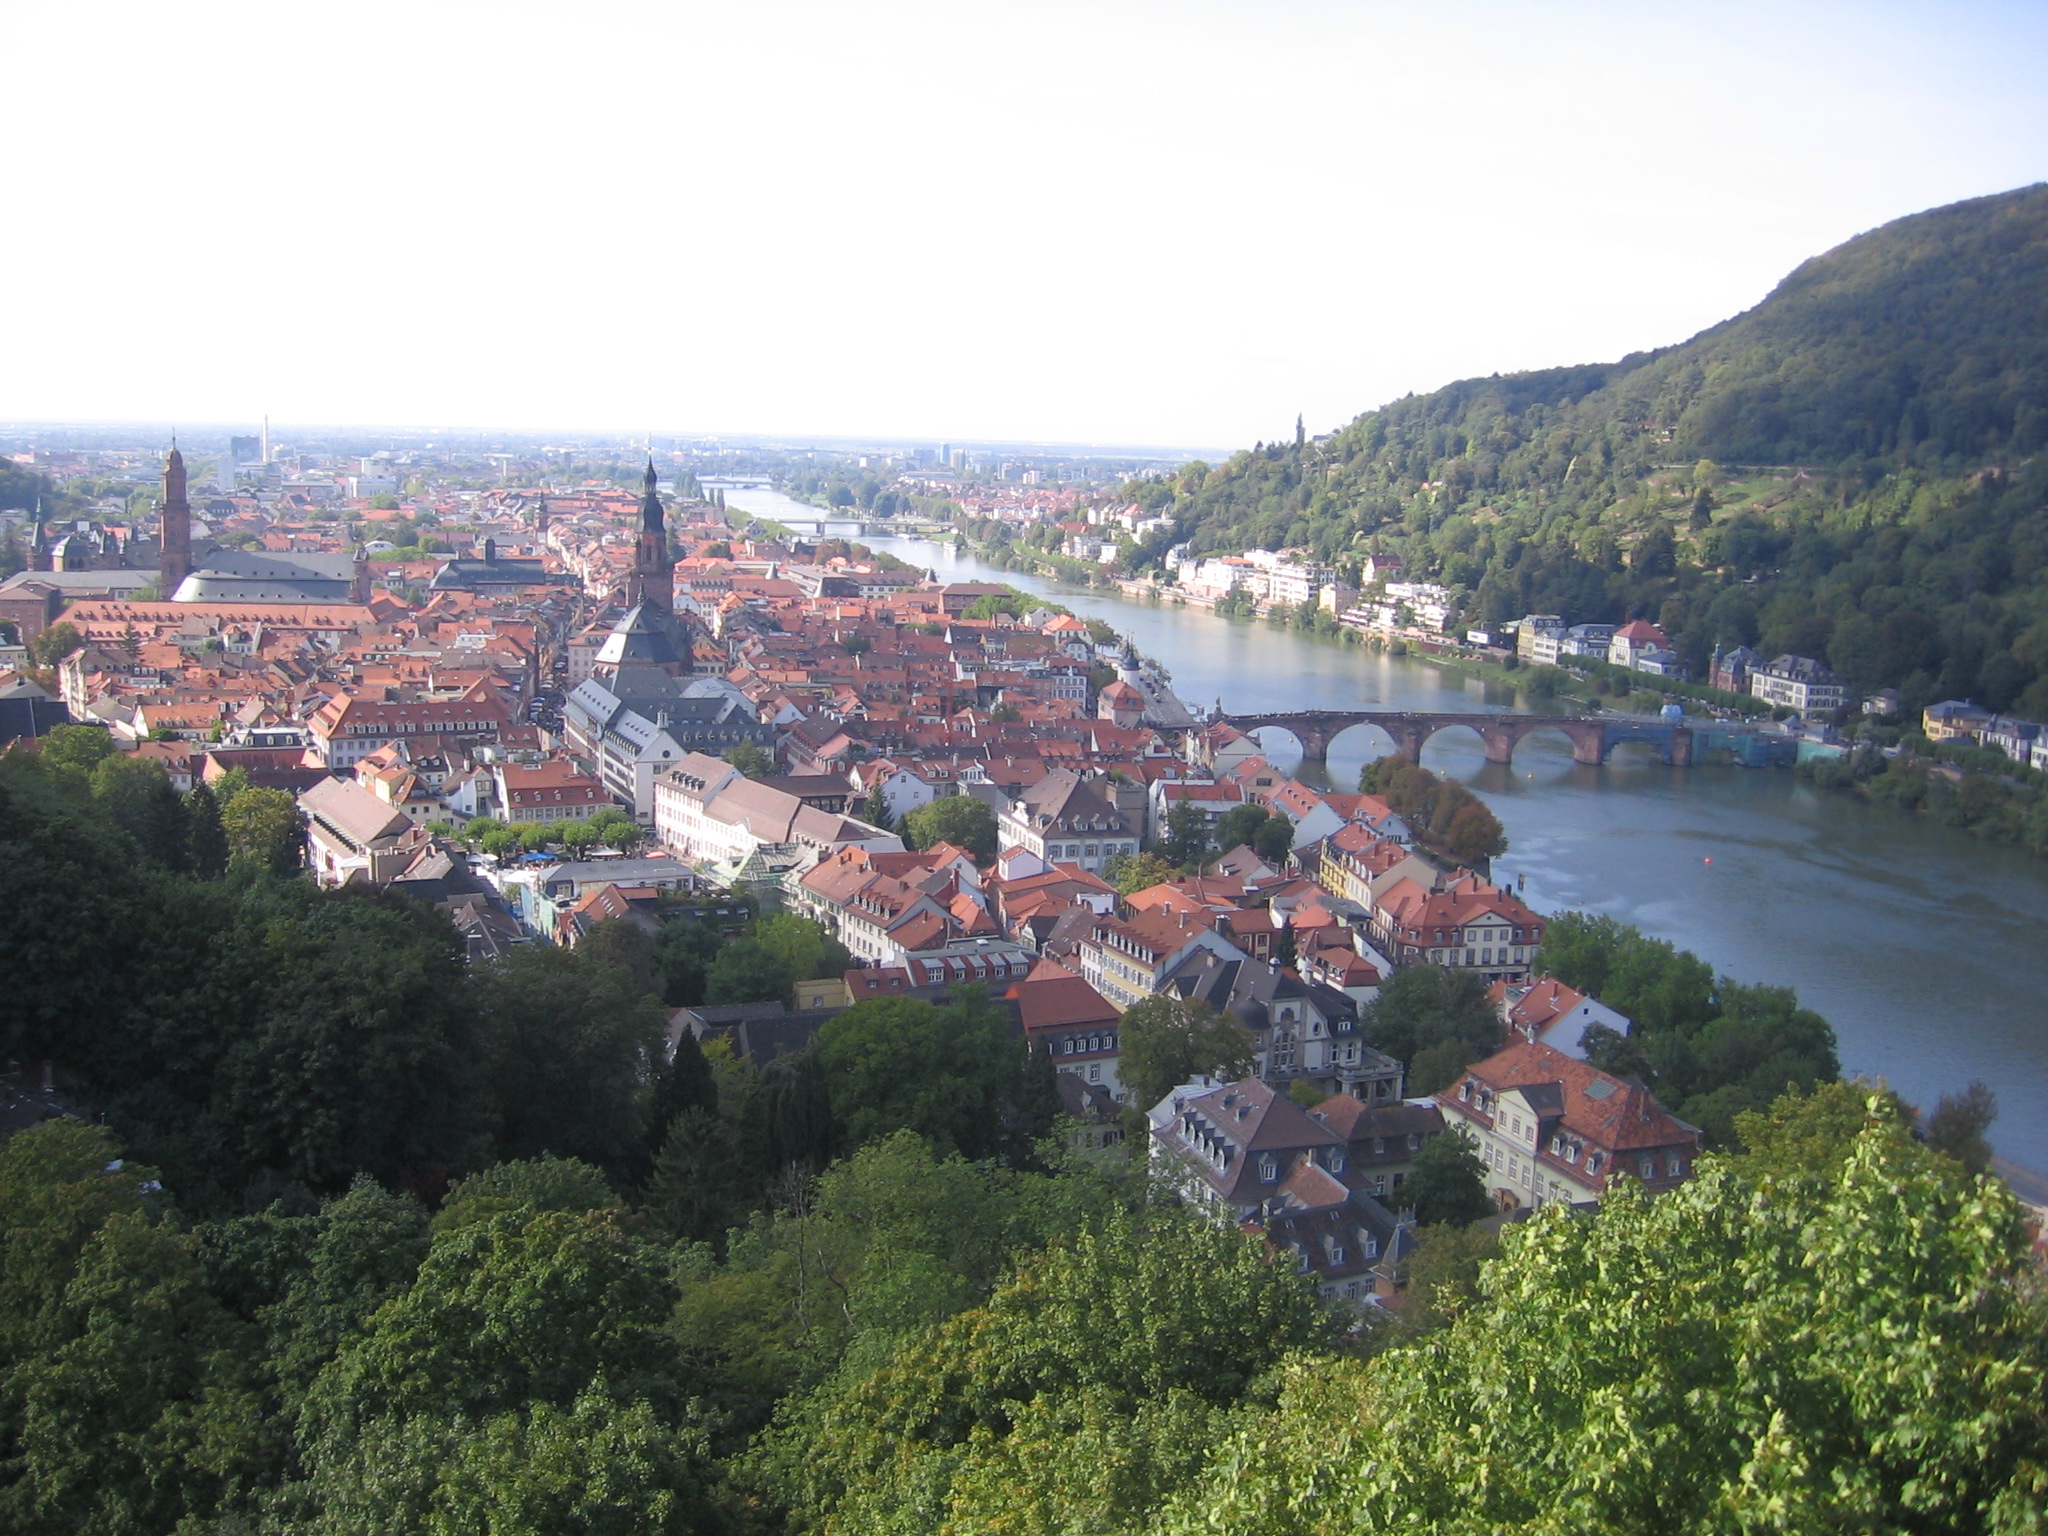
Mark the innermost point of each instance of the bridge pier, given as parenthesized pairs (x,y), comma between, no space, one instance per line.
(1680,755)
(1500,745)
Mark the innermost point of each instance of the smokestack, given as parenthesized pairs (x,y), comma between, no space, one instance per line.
(266,440)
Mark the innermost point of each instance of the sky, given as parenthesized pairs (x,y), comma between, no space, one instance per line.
(1107,222)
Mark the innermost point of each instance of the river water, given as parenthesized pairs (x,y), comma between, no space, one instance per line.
(1926,949)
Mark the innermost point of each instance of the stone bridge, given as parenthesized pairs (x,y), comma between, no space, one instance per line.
(1592,736)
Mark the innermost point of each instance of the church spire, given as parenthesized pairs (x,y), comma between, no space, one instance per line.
(653,572)
(175,539)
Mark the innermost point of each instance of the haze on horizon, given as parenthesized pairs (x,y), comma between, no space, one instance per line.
(1126,222)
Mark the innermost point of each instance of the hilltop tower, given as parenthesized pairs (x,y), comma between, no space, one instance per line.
(176,562)
(653,580)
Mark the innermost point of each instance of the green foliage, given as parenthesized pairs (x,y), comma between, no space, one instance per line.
(206,849)
(83,747)
(1436,1021)
(1165,1041)
(1443,1273)
(1709,1049)
(1448,1184)
(962,820)
(1102,1341)
(1791,1355)
(899,1063)
(802,945)
(566,1044)
(53,645)
(1441,812)
(752,760)
(265,827)
(1185,839)
(1876,426)
(1131,873)
(748,971)
(135,794)
(1241,824)
(1958,1124)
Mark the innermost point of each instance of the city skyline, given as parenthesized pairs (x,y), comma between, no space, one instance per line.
(1131,224)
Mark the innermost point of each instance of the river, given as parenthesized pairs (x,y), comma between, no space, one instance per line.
(1926,949)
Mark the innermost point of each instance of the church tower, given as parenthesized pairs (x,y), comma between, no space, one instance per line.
(39,546)
(653,580)
(176,562)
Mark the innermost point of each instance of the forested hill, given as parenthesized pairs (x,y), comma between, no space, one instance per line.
(1852,469)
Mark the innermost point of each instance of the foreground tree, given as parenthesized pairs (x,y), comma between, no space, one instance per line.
(1798,1353)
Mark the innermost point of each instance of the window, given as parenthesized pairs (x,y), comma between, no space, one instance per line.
(1379,1144)
(1648,1167)
(1095,1074)
(1674,1166)
(1269,1170)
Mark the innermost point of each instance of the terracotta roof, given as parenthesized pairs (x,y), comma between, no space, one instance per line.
(1615,1114)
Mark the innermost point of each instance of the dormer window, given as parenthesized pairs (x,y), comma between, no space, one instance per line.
(1269,1170)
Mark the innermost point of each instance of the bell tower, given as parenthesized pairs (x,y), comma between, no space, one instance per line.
(176,562)
(653,572)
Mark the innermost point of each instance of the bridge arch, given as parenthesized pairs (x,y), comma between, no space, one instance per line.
(1456,731)
(1549,732)
(1364,739)
(1268,736)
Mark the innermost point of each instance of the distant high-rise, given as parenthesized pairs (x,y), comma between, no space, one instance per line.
(176,562)
(243,450)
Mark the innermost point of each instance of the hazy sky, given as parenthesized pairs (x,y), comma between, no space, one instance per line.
(1109,222)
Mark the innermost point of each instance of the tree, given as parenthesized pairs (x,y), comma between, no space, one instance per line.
(207,839)
(1165,1041)
(874,810)
(1448,1185)
(57,642)
(264,827)
(1237,826)
(963,820)
(1475,833)
(1274,841)
(1186,839)
(1797,1351)
(1131,873)
(682,959)
(803,945)
(748,971)
(566,1049)
(1958,1124)
(136,794)
(1443,1274)
(898,1063)
(83,747)
(1437,1021)
(1100,1343)
(750,759)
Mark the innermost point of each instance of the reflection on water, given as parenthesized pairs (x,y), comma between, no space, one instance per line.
(1923,946)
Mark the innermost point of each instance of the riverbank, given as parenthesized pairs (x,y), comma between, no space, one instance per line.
(1920,944)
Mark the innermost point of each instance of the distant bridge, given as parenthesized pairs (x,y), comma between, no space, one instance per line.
(1593,737)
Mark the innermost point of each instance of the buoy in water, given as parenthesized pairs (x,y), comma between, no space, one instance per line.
(1709,861)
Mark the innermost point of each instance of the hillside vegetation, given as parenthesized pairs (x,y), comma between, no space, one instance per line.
(1851,470)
